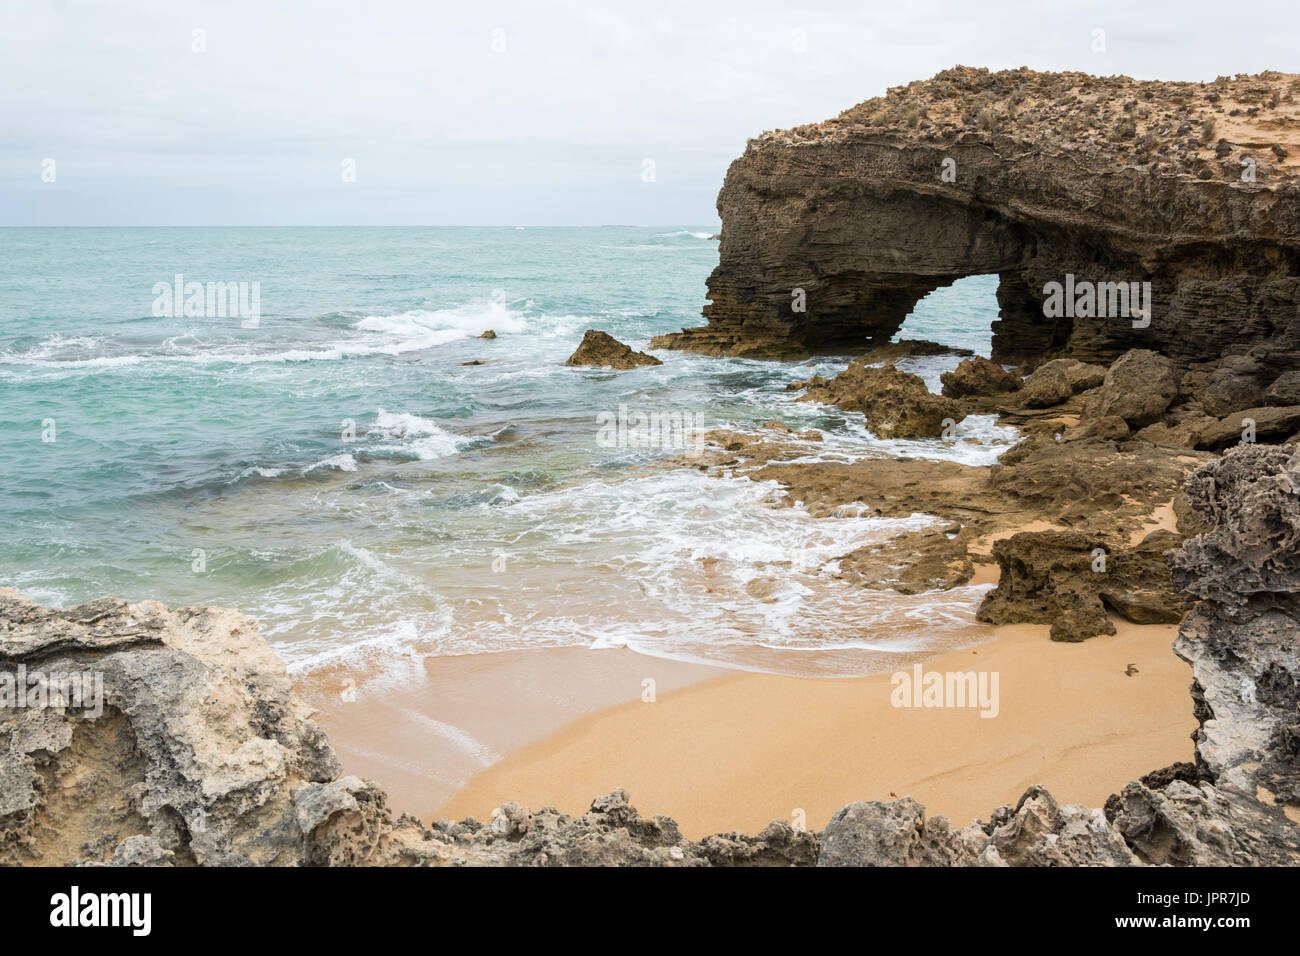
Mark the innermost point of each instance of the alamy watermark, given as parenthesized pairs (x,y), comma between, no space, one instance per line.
(79,690)
(1085,299)
(211,300)
(916,688)
(666,429)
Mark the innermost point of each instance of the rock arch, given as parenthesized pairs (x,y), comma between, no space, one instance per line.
(857,213)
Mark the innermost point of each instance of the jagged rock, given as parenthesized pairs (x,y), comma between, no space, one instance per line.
(1197,824)
(1138,388)
(1040,832)
(1037,832)
(1243,640)
(896,404)
(601,348)
(892,834)
(1068,580)
(489,334)
(1054,382)
(199,747)
(978,376)
(858,214)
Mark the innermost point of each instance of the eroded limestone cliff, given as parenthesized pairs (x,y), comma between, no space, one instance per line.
(1191,187)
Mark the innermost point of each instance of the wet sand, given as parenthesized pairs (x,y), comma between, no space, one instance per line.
(739,751)
(422,743)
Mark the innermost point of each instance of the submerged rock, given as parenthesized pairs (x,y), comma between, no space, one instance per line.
(601,348)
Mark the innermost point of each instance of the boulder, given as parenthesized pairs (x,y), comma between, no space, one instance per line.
(1285,390)
(1138,388)
(978,376)
(1054,382)
(1229,391)
(601,348)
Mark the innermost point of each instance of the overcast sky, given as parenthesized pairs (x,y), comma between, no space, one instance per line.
(511,113)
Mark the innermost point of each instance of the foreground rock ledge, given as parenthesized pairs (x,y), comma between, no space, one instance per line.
(202,753)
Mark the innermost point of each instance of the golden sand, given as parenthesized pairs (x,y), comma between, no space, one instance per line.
(745,749)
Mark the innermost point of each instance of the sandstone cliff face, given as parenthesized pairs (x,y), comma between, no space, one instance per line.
(1108,180)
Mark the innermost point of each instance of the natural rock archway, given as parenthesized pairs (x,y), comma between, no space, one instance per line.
(1039,178)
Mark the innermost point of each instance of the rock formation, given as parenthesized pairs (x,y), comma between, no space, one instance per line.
(1056,381)
(601,348)
(1138,388)
(896,404)
(1070,580)
(833,231)
(978,376)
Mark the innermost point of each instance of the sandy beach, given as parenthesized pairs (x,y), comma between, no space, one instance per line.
(745,749)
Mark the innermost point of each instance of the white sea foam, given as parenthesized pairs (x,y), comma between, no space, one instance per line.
(405,433)
(343,462)
(380,334)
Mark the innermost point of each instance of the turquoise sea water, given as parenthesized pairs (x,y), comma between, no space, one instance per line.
(337,472)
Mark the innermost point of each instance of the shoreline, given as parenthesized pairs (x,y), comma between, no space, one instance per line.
(722,749)
(742,750)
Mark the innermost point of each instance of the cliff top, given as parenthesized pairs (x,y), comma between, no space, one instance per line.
(1203,130)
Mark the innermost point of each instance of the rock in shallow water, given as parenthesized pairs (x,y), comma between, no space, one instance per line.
(978,376)
(601,348)
(896,404)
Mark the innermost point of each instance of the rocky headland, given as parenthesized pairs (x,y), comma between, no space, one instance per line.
(833,231)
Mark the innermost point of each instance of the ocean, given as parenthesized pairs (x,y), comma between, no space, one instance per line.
(333,468)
